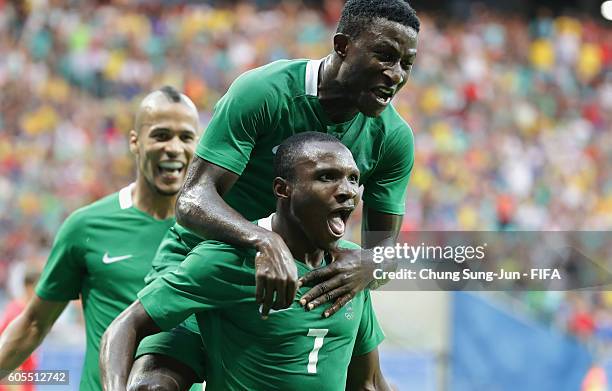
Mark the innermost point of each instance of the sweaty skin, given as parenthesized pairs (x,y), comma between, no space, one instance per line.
(382,56)
(326,180)
(213,218)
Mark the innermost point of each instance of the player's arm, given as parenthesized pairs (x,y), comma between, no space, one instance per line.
(201,208)
(26,332)
(364,374)
(59,283)
(248,110)
(119,343)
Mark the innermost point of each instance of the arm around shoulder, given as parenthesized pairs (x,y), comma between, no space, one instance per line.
(201,208)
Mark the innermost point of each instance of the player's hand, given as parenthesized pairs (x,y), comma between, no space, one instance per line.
(275,274)
(350,272)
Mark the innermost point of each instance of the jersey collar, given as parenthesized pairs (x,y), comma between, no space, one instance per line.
(125,196)
(312,77)
(266,223)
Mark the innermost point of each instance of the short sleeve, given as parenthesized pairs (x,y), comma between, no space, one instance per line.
(385,190)
(211,277)
(369,335)
(62,275)
(248,108)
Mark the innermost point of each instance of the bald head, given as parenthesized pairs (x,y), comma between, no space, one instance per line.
(164,96)
(163,140)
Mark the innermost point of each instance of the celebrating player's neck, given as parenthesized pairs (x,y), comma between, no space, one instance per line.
(301,247)
(332,93)
(147,198)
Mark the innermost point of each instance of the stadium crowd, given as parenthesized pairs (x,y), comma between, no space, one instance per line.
(511,117)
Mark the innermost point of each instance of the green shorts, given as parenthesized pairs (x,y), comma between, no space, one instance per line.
(183,343)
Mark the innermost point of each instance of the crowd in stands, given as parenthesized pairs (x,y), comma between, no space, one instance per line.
(512,117)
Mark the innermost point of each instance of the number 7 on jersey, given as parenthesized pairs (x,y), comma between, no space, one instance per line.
(313,357)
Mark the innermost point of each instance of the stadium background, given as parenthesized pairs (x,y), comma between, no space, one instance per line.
(511,106)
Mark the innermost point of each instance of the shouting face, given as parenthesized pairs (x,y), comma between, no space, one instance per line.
(325,191)
(376,64)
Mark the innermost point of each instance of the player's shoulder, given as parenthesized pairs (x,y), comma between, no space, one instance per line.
(100,208)
(106,205)
(217,253)
(393,123)
(281,76)
(396,133)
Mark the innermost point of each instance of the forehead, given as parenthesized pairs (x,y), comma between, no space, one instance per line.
(168,113)
(322,155)
(383,30)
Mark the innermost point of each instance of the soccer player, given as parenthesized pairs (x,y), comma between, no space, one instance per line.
(347,95)
(317,188)
(103,251)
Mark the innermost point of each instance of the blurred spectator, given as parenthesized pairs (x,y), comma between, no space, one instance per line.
(581,322)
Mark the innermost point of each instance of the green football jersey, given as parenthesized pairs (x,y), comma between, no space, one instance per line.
(292,350)
(101,253)
(265,106)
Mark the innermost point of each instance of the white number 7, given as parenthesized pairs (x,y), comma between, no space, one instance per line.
(313,357)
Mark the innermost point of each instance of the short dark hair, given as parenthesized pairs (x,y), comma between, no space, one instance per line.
(171,93)
(357,14)
(292,148)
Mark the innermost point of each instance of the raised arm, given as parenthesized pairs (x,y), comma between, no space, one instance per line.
(201,208)
(119,343)
(27,331)
(364,374)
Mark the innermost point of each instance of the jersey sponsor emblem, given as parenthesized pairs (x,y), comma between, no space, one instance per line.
(106,259)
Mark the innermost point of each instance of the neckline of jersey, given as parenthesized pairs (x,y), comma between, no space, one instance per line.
(126,202)
(314,95)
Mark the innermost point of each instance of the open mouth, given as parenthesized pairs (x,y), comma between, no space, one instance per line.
(336,221)
(383,95)
(171,168)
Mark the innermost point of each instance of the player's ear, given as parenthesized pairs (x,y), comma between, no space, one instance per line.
(134,142)
(281,188)
(341,42)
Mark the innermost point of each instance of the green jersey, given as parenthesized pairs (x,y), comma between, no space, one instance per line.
(101,253)
(265,106)
(291,350)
